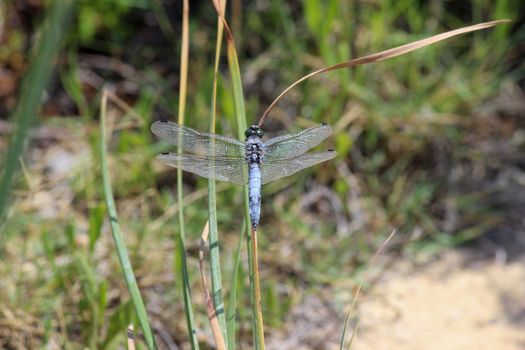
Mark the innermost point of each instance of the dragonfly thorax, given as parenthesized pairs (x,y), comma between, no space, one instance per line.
(253,130)
(254,150)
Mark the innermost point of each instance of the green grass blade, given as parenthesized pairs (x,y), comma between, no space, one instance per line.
(32,88)
(358,290)
(230,312)
(345,329)
(125,263)
(215,263)
(215,266)
(240,114)
(181,247)
(356,328)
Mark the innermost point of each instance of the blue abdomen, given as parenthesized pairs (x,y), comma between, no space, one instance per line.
(254,185)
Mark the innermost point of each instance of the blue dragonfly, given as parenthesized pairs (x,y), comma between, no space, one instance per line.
(254,162)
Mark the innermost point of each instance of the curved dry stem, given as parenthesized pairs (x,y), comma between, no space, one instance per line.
(210,308)
(383,55)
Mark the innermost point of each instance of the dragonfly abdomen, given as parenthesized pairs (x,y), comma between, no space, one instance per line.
(254,157)
(254,191)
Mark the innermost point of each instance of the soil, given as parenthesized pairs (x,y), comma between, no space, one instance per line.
(448,304)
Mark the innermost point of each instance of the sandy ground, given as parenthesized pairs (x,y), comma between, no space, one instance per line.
(446,305)
(450,303)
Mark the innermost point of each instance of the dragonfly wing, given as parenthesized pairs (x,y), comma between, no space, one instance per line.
(289,146)
(228,169)
(198,142)
(278,168)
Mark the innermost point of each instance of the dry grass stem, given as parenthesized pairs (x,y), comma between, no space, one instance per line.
(257,287)
(383,55)
(131,338)
(210,308)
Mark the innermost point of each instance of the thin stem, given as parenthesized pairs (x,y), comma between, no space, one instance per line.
(215,262)
(257,289)
(186,290)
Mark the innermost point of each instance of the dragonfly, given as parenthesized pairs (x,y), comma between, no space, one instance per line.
(253,162)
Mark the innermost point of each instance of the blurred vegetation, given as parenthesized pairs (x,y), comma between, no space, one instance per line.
(430,144)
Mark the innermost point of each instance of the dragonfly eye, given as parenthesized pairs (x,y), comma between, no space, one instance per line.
(253,130)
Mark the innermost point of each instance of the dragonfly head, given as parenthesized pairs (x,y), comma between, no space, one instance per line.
(253,130)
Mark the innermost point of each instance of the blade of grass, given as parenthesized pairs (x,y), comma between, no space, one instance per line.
(35,81)
(356,328)
(210,307)
(345,329)
(383,55)
(125,263)
(240,115)
(215,262)
(360,286)
(230,312)
(181,247)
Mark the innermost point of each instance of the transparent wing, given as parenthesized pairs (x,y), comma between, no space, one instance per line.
(289,146)
(198,142)
(228,169)
(275,169)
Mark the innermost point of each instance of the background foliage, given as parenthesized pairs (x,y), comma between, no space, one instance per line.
(430,144)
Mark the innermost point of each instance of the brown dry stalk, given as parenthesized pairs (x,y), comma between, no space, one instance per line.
(257,287)
(185,47)
(131,338)
(220,13)
(386,54)
(210,308)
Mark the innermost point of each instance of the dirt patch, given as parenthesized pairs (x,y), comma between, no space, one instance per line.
(446,305)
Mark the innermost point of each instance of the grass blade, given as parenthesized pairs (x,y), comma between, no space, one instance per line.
(210,307)
(240,115)
(386,54)
(360,286)
(356,328)
(32,88)
(181,247)
(215,262)
(125,263)
(345,329)
(230,312)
